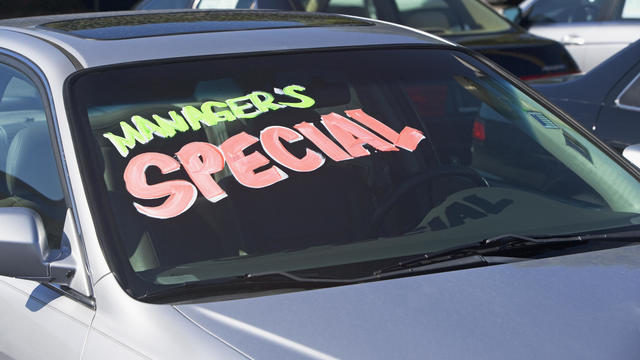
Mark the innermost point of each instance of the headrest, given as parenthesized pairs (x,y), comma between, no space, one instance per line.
(30,161)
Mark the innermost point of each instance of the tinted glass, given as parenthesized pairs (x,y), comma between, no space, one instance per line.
(246,4)
(143,25)
(28,173)
(566,11)
(631,94)
(326,163)
(164,4)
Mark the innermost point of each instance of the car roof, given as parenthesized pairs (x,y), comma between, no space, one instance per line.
(96,39)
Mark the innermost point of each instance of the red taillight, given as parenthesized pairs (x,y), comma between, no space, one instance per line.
(478,130)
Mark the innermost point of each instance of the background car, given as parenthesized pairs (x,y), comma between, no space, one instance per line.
(592,30)
(466,22)
(605,100)
(278,185)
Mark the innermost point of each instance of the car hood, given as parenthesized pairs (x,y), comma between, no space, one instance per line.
(525,55)
(584,306)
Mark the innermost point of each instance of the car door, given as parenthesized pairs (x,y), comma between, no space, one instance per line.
(591,30)
(38,321)
(618,123)
(619,26)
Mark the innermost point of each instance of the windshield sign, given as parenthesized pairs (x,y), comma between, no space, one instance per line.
(325,165)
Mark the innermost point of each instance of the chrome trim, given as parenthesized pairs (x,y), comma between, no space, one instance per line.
(89,302)
(195,4)
(67,181)
(617,100)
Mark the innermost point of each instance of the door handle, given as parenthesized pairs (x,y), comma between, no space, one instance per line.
(572,39)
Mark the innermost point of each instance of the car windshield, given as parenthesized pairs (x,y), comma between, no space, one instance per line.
(328,162)
(442,17)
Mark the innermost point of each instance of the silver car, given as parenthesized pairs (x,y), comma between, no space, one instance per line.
(591,30)
(243,185)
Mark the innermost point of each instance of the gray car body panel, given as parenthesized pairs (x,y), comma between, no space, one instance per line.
(142,330)
(582,306)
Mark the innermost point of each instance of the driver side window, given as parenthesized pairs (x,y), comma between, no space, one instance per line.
(28,172)
(566,11)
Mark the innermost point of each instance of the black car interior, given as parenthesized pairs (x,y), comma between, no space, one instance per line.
(380,195)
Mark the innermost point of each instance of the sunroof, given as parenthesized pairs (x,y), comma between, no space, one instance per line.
(158,24)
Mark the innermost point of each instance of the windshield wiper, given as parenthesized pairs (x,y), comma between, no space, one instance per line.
(503,244)
(241,283)
(482,253)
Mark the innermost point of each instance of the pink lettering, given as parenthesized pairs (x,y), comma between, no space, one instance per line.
(200,160)
(270,140)
(353,136)
(408,138)
(242,166)
(181,194)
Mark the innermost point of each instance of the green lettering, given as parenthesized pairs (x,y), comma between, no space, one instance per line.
(215,117)
(170,126)
(305,101)
(238,110)
(195,116)
(266,103)
(210,113)
(147,128)
(123,144)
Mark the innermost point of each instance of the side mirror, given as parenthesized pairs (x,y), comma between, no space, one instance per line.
(513,14)
(24,252)
(632,153)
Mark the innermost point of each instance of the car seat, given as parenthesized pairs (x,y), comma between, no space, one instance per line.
(32,178)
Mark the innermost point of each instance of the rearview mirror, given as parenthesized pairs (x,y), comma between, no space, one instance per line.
(632,153)
(513,14)
(24,251)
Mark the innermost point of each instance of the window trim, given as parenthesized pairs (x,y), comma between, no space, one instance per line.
(617,100)
(39,79)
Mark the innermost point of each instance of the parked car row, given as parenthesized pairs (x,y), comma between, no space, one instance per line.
(605,100)
(195,184)
(592,30)
(466,22)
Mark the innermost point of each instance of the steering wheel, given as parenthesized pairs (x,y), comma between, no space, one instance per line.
(418,179)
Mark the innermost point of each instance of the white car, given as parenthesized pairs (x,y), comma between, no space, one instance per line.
(591,30)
